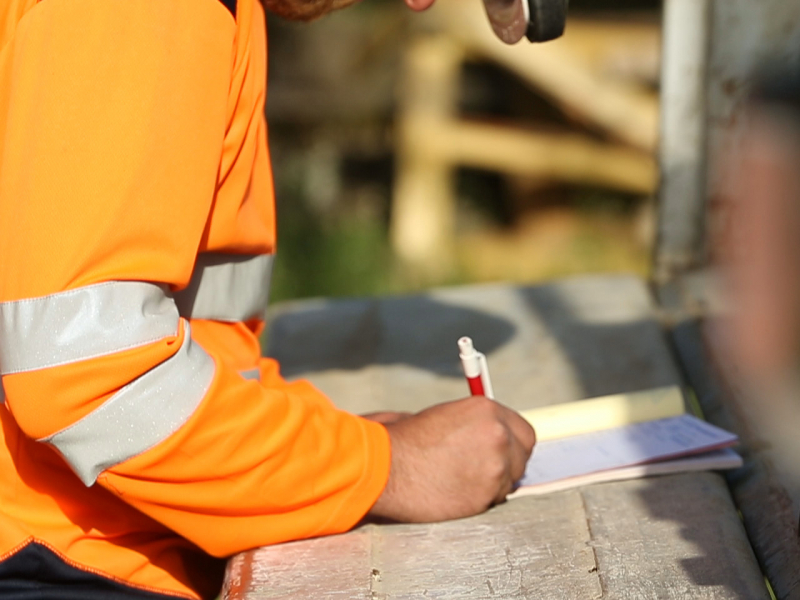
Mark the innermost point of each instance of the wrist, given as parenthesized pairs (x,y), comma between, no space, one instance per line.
(385,506)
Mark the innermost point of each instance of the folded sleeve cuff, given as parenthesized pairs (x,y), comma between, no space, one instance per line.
(362,496)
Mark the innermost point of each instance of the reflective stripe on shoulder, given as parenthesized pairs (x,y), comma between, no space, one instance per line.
(227,287)
(139,416)
(84,323)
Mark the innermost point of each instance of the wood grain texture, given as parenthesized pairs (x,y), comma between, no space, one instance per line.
(575,339)
(522,550)
(666,538)
(335,567)
(669,538)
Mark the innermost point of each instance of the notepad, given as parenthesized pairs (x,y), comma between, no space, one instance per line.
(605,412)
(622,443)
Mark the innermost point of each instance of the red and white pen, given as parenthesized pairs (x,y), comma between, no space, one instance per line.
(476,369)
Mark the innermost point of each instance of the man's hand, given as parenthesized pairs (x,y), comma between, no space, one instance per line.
(307,10)
(454,460)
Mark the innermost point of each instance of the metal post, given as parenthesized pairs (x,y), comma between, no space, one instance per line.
(682,154)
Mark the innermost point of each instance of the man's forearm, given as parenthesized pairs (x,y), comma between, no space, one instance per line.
(305,10)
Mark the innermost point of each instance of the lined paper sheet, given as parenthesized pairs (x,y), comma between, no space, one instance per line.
(625,446)
(707,461)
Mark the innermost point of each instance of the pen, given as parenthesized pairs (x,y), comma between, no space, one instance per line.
(475,368)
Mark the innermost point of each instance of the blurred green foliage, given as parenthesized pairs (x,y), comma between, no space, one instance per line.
(349,257)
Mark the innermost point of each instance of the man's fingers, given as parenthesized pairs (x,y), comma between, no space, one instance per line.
(521,442)
(519,460)
(515,469)
(454,460)
(521,429)
(502,493)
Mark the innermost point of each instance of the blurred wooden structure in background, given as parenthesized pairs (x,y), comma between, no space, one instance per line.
(598,74)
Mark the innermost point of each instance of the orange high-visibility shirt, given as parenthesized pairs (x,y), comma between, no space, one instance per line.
(141,430)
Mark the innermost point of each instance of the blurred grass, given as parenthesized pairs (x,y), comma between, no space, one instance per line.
(346,252)
(348,258)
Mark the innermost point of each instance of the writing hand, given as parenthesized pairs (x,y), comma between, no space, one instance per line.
(454,460)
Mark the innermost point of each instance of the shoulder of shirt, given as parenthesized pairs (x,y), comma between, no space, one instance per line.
(228,4)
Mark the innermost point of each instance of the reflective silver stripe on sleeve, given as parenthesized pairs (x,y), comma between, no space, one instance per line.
(84,323)
(249,374)
(227,287)
(141,415)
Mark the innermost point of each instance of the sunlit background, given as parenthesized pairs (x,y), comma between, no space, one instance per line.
(416,150)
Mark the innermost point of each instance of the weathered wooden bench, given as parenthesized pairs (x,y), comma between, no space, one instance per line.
(668,537)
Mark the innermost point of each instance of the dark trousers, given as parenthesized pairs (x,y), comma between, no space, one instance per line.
(36,573)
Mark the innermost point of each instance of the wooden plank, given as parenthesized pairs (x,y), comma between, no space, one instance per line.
(556,156)
(670,538)
(577,338)
(665,538)
(574,71)
(329,567)
(522,550)
(662,538)
(422,227)
(560,71)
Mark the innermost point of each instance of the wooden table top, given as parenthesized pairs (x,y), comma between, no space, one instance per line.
(667,538)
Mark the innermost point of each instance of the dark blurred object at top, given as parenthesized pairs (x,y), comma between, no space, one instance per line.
(538,20)
(583,107)
(778,86)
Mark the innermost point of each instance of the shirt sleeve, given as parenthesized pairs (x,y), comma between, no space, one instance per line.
(112,120)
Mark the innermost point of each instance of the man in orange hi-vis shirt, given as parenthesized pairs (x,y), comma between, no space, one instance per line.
(143,437)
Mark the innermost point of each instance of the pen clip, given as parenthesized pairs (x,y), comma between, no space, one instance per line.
(485,380)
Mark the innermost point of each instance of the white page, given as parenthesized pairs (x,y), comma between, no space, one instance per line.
(634,444)
(707,461)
